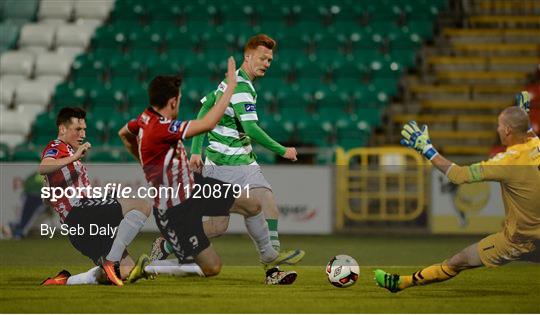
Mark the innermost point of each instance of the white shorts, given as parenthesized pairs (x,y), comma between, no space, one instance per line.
(240,175)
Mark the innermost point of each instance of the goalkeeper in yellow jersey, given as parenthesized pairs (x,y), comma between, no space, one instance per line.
(518,171)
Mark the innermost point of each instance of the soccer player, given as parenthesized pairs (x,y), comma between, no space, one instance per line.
(518,171)
(61,164)
(229,157)
(155,139)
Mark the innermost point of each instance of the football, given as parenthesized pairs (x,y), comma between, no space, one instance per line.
(342,271)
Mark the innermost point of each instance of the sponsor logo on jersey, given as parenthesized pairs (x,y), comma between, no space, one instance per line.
(145,119)
(51,153)
(174,127)
(250,107)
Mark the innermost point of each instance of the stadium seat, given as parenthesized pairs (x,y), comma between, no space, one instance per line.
(9,84)
(106,155)
(73,35)
(5,154)
(30,110)
(95,9)
(424,28)
(351,134)
(55,9)
(24,153)
(10,33)
(281,131)
(52,64)
(17,63)
(33,92)
(37,34)
(314,131)
(12,122)
(22,10)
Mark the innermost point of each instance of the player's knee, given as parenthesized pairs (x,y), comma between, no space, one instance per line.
(253,206)
(211,270)
(458,262)
(143,206)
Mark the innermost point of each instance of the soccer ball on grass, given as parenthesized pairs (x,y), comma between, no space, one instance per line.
(342,271)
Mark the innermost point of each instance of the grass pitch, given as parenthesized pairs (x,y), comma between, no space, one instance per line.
(239,288)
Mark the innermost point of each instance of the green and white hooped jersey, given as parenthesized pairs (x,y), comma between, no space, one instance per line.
(228,144)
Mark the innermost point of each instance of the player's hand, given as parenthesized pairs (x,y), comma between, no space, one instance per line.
(196,163)
(81,150)
(523,100)
(290,154)
(231,72)
(418,139)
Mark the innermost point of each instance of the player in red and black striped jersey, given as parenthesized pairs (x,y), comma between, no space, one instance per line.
(72,174)
(155,139)
(62,166)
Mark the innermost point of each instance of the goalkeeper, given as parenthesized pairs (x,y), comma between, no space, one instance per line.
(518,171)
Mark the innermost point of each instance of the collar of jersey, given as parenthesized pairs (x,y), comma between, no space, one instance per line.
(533,141)
(243,74)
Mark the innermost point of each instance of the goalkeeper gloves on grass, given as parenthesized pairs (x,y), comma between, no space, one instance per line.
(418,139)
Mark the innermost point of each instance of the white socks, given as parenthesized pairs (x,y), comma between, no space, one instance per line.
(258,231)
(173,268)
(128,228)
(89,277)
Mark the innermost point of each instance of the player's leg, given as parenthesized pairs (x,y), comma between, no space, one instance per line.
(92,276)
(466,259)
(268,203)
(135,213)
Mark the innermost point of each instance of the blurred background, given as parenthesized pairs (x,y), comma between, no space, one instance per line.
(346,75)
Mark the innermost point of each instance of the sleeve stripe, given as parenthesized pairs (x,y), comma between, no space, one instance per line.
(242,98)
(245,117)
(127,127)
(186,127)
(229,112)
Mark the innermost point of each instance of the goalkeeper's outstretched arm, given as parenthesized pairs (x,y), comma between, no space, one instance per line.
(418,139)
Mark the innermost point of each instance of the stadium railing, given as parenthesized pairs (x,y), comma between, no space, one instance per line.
(379,184)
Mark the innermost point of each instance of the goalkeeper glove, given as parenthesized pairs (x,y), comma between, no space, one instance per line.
(418,139)
(523,100)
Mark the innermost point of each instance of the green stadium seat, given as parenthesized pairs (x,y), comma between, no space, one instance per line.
(349,69)
(371,115)
(10,33)
(25,153)
(266,157)
(385,85)
(111,36)
(314,131)
(5,154)
(383,11)
(424,28)
(173,13)
(404,57)
(107,155)
(24,10)
(280,130)
(366,56)
(67,95)
(88,65)
(384,67)
(351,134)
(423,10)
(137,98)
(195,12)
(348,85)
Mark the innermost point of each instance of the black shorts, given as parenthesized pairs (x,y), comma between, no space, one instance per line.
(182,225)
(94,216)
